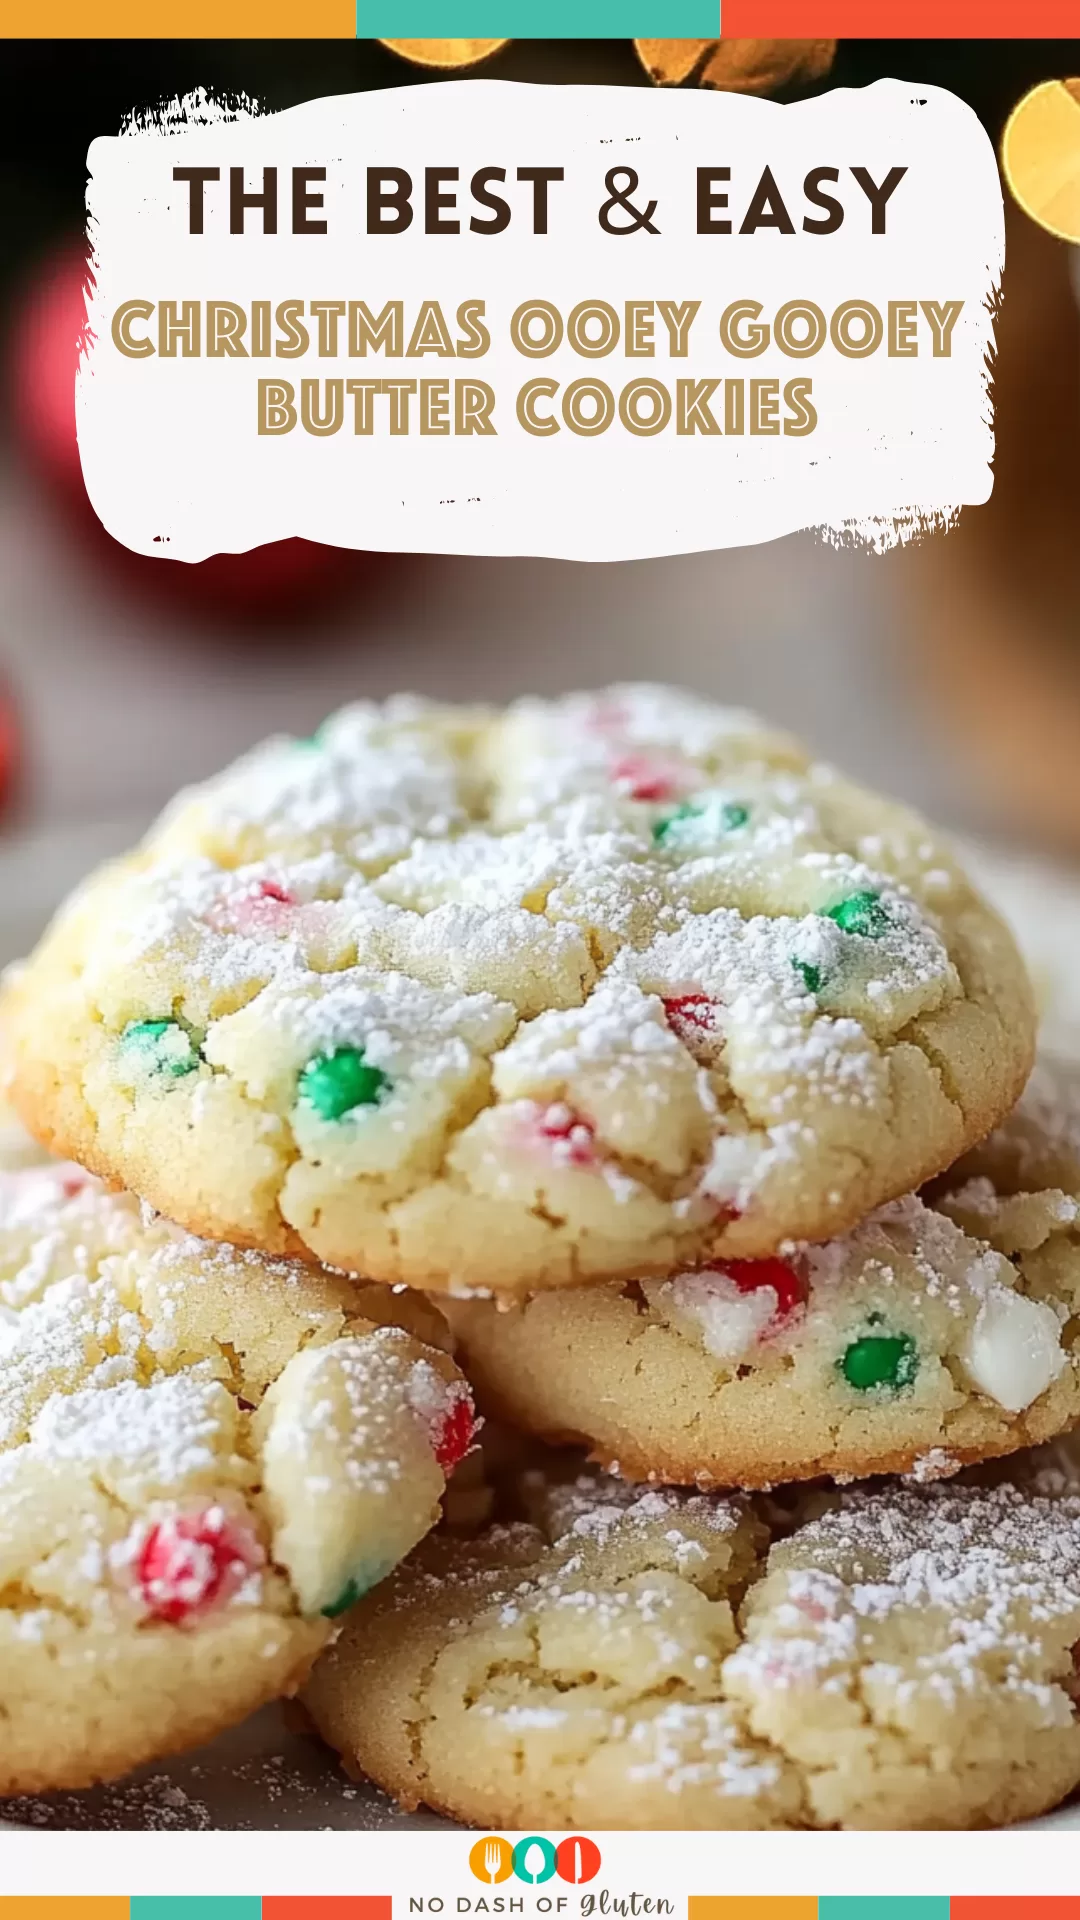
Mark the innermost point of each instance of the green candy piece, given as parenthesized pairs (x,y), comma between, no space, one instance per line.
(334,1083)
(164,1045)
(733,814)
(860,913)
(350,1593)
(356,1587)
(729,815)
(808,974)
(663,827)
(880,1360)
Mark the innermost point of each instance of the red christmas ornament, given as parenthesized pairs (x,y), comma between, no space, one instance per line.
(189,1561)
(9,747)
(49,337)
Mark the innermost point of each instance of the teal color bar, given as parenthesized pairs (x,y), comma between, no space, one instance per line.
(183,1906)
(881,1906)
(537,20)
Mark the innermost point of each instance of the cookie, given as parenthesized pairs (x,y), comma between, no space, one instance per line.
(638,1658)
(17,1147)
(1040,902)
(205,1457)
(942,1330)
(595,987)
(1036,1146)
(926,1338)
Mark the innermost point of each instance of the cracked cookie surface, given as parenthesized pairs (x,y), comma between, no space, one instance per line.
(582,990)
(205,1457)
(657,1659)
(940,1331)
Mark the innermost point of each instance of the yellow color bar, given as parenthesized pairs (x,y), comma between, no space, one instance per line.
(199,20)
(752,1906)
(33,1906)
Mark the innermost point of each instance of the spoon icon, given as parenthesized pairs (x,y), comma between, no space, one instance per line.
(525,1869)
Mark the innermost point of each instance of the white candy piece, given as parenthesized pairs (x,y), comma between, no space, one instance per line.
(1014,1351)
(731,1322)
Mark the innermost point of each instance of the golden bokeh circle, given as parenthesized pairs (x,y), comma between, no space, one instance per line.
(1040,156)
(444,53)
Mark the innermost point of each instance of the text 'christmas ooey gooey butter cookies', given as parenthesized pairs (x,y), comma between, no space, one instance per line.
(588,989)
(205,1458)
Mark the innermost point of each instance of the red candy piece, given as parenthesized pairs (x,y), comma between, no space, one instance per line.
(789,1287)
(689,1014)
(607,715)
(192,1560)
(454,1435)
(573,1136)
(644,779)
(268,908)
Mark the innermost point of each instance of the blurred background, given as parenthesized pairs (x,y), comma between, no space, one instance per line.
(948,672)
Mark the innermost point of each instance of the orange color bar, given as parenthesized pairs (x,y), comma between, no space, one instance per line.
(60,1906)
(194,20)
(752,1906)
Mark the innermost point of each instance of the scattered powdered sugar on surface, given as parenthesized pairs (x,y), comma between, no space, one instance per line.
(154,1805)
(260,1777)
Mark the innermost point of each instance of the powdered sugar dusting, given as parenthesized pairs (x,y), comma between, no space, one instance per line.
(499,909)
(672,1659)
(137,1480)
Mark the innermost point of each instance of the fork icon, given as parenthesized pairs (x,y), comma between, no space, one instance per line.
(493,1861)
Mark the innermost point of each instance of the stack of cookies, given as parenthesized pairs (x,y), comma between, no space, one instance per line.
(610,1053)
